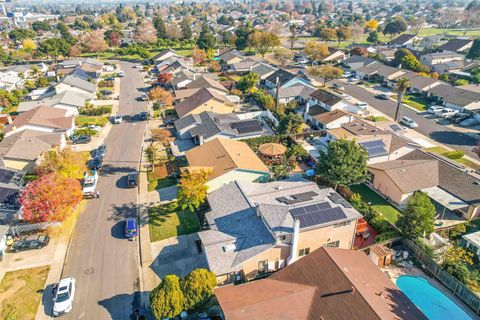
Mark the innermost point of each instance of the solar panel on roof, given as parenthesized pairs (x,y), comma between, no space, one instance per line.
(6,176)
(249,129)
(296,198)
(377,151)
(335,197)
(317,217)
(373,144)
(242,124)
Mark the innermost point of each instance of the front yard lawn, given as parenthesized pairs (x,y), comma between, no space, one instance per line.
(20,293)
(83,121)
(379,204)
(376,118)
(465,162)
(419,103)
(166,221)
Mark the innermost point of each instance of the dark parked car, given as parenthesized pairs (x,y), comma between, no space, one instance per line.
(81,139)
(459,117)
(106,92)
(382,96)
(100,152)
(96,163)
(29,243)
(132,179)
(142,116)
(131,228)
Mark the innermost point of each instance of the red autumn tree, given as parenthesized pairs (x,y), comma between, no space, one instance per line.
(359,51)
(165,78)
(50,198)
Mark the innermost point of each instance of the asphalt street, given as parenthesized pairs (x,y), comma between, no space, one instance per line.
(103,262)
(426,125)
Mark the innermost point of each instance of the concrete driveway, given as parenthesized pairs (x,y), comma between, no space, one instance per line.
(177,255)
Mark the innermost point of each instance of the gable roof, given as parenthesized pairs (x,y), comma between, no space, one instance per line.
(205,82)
(67,97)
(42,116)
(455,95)
(223,155)
(326,97)
(329,116)
(402,39)
(200,97)
(405,173)
(339,291)
(454,45)
(163,53)
(28,144)
(282,75)
(79,83)
(300,90)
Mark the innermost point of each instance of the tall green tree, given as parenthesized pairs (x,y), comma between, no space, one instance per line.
(248,82)
(290,123)
(418,217)
(242,33)
(197,287)
(167,300)
(206,40)
(159,25)
(186,28)
(373,37)
(344,163)
(395,27)
(400,88)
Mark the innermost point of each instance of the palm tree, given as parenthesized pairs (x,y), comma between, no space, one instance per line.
(401,87)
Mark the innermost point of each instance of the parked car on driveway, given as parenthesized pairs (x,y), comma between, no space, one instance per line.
(131,228)
(106,92)
(382,96)
(446,113)
(117,119)
(81,139)
(30,243)
(361,104)
(346,74)
(408,122)
(143,97)
(346,96)
(459,117)
(435,109)
(64,296)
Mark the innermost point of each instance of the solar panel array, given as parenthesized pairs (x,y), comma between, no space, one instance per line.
(336,198)
(6,176)
(247,126)
(316,214)
(374,148)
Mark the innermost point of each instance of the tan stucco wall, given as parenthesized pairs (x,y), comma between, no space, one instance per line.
(385,185)
(17,164)
(250,267)
(214,106)
(230,176)
(316,238)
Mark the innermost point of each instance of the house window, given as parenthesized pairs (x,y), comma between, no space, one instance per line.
(304,252)
(262,266)
(333,244)
(342,224)
(282,237)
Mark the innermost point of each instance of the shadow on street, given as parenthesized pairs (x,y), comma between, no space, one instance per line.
(452,137)
(125,306)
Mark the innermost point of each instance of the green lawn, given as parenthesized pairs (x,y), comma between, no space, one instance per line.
(379,204)
(83,121)
(154,183)
(376,118)
(20,293)
(419,103)
(166,221)
(465,162)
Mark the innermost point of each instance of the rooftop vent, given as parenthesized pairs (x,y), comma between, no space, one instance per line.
(229,247)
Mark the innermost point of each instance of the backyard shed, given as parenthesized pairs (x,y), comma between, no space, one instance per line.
(381,255)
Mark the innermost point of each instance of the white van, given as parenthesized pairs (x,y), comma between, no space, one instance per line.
(408,122)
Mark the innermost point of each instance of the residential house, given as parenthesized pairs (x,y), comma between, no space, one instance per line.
(175,65)
(10,185)
(322,100)
(165,55)
(21,150)
(44,119)
(380,145)
(404,40)
(456,45)
(299,93)
(418,83)
(205,99)
(451,188)
(379,72)
(228,160)
(69,101)
(329,283)
(257,228)
(335,55)
(230,56)
(355,62)
(27,70)
(250,65)
(206,126)
(182,78)
(456,98)
(431,59)
(88,71)
(386,54)
(10,80)
(286,79)
(74,84)
(472,242)
(200,82)
(328,119)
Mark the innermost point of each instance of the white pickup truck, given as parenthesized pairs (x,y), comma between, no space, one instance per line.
(90,179)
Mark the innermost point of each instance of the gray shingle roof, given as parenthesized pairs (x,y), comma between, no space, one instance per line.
(66,97)
(454,95)
(79,83)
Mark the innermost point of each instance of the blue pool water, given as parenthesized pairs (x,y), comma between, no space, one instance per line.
(433,303)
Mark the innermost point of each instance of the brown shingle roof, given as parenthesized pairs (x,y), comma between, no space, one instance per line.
(405,173)
(200,97)
(42,116)
(347,286)
(28,144)
(205,82)
(330,116)
(223,155)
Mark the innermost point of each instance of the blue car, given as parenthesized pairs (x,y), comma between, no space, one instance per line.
(131,228)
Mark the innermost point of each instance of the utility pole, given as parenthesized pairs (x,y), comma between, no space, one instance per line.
(277,87)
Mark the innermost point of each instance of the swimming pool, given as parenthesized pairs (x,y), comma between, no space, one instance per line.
(433,303)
